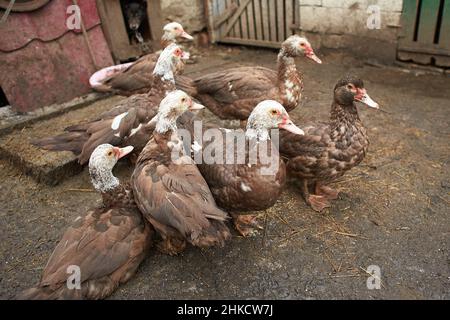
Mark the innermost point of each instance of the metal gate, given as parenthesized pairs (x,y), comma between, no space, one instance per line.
(264,23)
(425,36)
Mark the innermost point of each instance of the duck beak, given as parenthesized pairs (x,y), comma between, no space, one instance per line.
(186,35)
(311,55)
(122,152)
(185,55)
(288,125)
(196,106)
(363,97)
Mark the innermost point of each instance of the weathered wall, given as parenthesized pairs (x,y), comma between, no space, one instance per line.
(190,13)
(42,62)
(343,24)
(340,24)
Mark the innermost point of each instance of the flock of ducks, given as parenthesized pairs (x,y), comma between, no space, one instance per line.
(182,201)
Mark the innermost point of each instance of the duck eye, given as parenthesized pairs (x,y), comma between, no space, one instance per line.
(110,153)
(183,100)
(349,87)
(302,44)
(274,112)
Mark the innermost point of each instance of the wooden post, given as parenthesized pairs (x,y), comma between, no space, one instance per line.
(155,22)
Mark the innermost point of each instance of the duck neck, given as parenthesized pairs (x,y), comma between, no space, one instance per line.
(165,123)
(164,69)
(259,133)
(159,83)
(119,196)
(164,73)
(170,147)
(344,121)
(166,41)
(103,179)
(290,82)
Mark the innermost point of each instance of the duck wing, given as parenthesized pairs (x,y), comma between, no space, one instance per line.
(107,245)
(126,123)
(176,195)
(136,77)
(233,93)
(236,83)
(308,154)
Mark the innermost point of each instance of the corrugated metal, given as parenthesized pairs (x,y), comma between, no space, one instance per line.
(45,24)
(41,62)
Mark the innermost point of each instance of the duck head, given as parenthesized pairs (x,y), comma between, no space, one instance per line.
(101,164)
(268,115)
(296,46)
(175,30)
(350,89)
(171,108)
(170,62)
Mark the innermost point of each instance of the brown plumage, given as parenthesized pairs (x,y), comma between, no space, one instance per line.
(172,194)
(128,123)
(233,93)
(107,244)
(257,180)
(138,77)
(328,150)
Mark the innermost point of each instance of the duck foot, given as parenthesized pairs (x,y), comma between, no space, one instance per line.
(246,225)
(171,246)
(327,192)
(317,202)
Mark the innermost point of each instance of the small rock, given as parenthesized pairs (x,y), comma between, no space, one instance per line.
(445,184)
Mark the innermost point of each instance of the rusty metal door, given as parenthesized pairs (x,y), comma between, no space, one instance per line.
(425,36)
(264,23)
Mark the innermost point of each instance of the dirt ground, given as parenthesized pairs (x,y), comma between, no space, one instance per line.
(393,210)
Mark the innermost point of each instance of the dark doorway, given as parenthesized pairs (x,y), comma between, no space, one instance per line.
(136,20)
(3,100)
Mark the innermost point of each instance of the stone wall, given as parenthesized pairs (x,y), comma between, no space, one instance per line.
(190,13)
(342,24)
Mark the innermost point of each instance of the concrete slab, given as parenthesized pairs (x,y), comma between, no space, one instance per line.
(10,120)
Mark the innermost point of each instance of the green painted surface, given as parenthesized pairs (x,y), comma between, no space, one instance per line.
(409,19)
(445,29)
(428,21)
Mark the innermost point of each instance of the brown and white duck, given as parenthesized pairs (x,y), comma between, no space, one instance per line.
(248,175)
(233,93)
(136,77)
(128,122)
(171,192)
(328,150)
(106,245)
